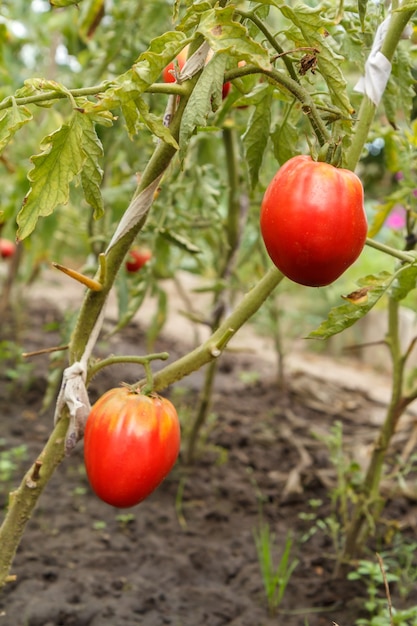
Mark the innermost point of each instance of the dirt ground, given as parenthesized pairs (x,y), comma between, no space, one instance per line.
(187,556)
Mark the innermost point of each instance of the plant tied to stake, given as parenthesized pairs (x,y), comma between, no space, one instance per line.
(313,220)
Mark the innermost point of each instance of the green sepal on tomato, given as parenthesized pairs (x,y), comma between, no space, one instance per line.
(131,443)
(313,220)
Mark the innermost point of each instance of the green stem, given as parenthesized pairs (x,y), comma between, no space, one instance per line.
(115,360)
(370,502)
(398,254)
(269,36)
(218,341)
(293,87)
(23,500)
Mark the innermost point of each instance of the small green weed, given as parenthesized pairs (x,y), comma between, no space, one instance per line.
(378,604)
(275,579)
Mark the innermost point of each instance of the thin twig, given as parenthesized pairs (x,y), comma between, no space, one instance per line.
(387,591)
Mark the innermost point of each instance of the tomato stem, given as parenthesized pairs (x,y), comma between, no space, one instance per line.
(115,360)
(398,254)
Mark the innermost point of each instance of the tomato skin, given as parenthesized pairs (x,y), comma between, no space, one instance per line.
(225,90)
(313,220)
(131,443)
(7,248)
(137,258)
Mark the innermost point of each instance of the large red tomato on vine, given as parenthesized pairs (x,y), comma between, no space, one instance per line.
(313,220)
(131,443)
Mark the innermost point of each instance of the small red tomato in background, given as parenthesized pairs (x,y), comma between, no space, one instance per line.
(225,90)
(7,248)
(313,220)
(131,443)
(137,258)
(168,71)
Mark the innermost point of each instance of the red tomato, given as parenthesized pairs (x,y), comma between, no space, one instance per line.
(131,443)
(225,90)
(168,71)
(313,220)
(7,248)
(137,258)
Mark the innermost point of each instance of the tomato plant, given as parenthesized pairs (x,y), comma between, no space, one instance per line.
(7,248)
(137,258)
(131,443)
(313,220)
(168,73)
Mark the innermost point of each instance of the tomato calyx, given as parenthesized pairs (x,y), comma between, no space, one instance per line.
(331,153)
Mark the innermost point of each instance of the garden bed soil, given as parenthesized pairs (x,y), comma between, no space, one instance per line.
(186,556)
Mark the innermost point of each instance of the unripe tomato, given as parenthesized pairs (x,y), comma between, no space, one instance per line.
(313,220)
(131,443)
(168,71)
(7,248)
(137,258)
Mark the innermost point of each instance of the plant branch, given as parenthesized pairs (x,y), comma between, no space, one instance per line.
(398,254)
(292,86)
(218,341)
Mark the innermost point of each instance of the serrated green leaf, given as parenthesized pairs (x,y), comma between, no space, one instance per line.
(404,282)
(255,139)
(222,33)
(150,63)
(155,124)
(312,26)
(346,315)
(92,174)
(61,159)
(11,121)
(199,104)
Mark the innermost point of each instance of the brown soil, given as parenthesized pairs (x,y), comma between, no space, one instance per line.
(186,556)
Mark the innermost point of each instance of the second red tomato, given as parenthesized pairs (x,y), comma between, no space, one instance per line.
(313,220)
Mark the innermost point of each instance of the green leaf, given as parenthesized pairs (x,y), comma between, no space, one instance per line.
(404,282)
(11,121)
(61,159)
(285,139)
(255,139)
(64,3)
(399,94)
(92,12)
(150,63)
(222,33)
(92,174)
(346,315)
(362,6)
(311,25)
(155,124)
(199,104)
(178,240)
